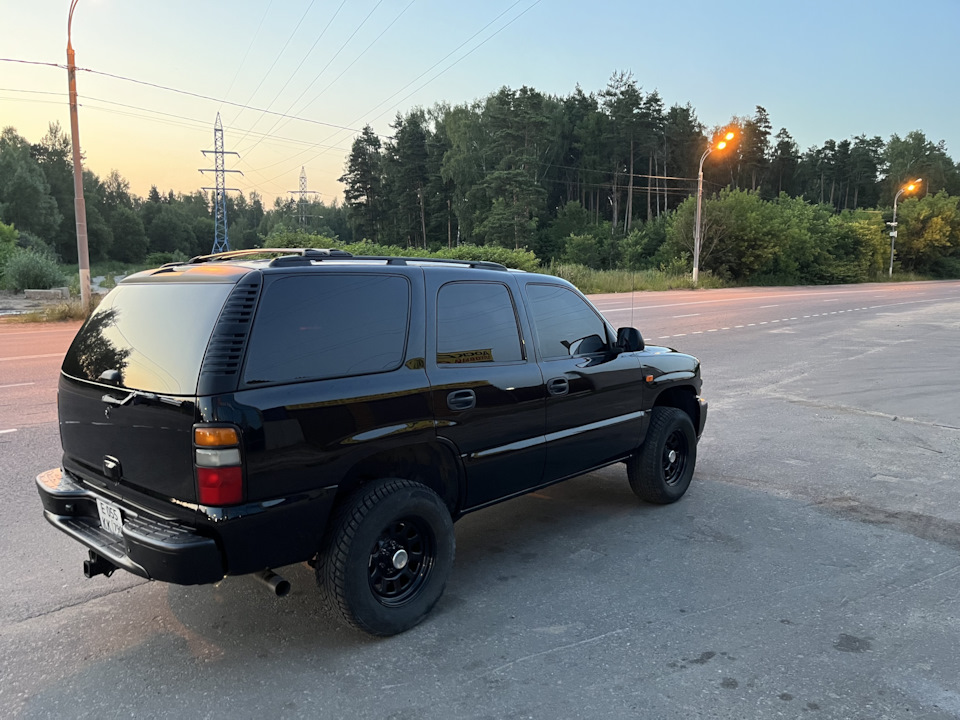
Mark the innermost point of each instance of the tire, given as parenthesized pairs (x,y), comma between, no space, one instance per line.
(386,524)
(661,470)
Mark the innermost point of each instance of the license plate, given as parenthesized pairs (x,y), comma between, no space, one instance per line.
(110,519)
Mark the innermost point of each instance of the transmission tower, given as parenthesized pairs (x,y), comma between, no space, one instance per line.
(221,242)
(302,197)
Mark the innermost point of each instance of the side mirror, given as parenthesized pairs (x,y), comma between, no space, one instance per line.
(629,340)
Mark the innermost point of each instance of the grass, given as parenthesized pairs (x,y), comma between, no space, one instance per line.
(589,281)
(59,312)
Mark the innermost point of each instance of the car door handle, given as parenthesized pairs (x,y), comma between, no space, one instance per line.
(462,400)
(558,386)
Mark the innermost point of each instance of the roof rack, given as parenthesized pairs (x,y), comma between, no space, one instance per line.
(310,253)
(305,256)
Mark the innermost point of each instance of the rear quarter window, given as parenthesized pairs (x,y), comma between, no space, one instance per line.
(318,326)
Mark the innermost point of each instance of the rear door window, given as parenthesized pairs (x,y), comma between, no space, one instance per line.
(323,325)
(153,334)
(476,323)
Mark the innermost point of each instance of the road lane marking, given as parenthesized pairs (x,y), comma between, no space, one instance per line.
(683,316)
(4,432)
(31,357)
(4,387)
(36,332)
(824,314)
(764,307)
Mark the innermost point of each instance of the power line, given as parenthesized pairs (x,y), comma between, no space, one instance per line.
(302,61)
(452,52)
(247,52)
(323,69)
(188,93)
(352,63)
(277,58)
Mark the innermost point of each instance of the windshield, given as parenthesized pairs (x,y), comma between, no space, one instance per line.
(152,335)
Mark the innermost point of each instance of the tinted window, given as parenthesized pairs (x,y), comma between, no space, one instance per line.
(565,325)
(154,335)
(476,322)
(323,326)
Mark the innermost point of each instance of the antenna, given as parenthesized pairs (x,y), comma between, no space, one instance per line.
(302,199)
(220,241)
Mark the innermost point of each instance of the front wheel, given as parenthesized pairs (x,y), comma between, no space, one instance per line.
(661,470)
(386,556)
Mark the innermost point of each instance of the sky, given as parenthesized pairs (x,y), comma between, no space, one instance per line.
(821,69)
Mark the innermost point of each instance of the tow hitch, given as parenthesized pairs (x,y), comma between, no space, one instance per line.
(97,565)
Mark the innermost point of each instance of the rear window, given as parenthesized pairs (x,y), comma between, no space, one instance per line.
(153,335)
(317,326)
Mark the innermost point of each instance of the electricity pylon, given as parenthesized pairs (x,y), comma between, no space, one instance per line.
(221,242)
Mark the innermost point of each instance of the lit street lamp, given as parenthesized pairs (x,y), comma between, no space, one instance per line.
(80,209)
(909,187)
(716,145)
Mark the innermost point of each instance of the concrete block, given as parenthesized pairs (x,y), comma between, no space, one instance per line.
(60,293)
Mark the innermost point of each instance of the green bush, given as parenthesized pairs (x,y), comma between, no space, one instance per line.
(31,269)
(519,259)
(8,245)
(162,258)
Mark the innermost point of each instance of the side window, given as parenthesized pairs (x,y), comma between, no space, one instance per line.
(323,326)
(565,325)
(476,323)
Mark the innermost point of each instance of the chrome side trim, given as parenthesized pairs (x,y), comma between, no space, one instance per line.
(551,437)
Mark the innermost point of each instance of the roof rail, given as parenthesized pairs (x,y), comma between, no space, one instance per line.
(391,260)
(312,253)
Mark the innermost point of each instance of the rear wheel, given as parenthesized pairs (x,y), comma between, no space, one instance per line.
(661,470)
(386,556)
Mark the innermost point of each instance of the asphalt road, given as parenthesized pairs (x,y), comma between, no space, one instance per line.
(811,570)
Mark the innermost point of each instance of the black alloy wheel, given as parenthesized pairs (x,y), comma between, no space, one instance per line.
(401,560)
(675,451)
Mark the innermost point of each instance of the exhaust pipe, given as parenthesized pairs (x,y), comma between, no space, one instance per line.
(279,586)
(97,565)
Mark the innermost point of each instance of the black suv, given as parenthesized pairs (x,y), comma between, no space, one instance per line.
(248,410)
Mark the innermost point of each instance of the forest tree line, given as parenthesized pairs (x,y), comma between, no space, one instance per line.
(605,179)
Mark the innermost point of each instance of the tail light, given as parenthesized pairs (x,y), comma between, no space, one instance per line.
(218,465)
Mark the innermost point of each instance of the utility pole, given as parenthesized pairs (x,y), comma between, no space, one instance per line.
(221,242)
(79,207)
(302,197)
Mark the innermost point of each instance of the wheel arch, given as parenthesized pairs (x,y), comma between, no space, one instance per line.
(682,397)
(434,464)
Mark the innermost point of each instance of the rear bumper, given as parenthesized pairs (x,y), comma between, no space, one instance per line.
(703,416)
(150,547)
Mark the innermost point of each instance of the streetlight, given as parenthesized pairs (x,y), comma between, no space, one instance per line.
(80,209)
(909,187)
(716,145)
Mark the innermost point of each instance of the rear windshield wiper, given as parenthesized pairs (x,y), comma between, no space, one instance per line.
(137,397)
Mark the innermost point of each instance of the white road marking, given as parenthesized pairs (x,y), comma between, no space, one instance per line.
(764,307)
(683,316)
(3,387)
(4,432)
(31,357)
